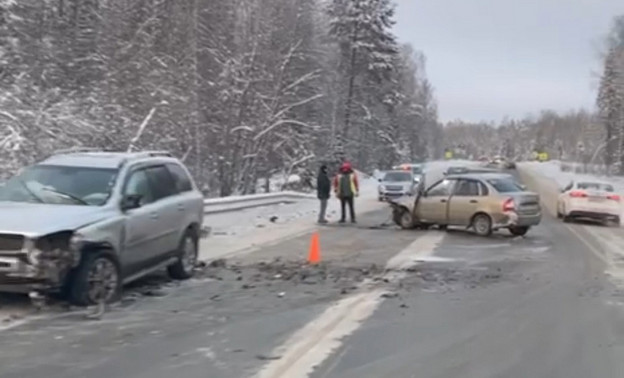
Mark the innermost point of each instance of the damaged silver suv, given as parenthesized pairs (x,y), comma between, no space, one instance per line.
(85,223)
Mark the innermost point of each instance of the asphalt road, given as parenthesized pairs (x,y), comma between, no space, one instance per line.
(539,306)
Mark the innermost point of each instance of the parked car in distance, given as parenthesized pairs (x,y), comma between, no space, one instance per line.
(396,184)
(484,202)
(85,223)
(418,170)
(590,200)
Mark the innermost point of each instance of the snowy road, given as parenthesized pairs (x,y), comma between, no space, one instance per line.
(384,303)
(500,307)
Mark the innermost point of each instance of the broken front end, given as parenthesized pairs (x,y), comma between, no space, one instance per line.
(36,263)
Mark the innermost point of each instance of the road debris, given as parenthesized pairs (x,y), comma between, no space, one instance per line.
(267,358)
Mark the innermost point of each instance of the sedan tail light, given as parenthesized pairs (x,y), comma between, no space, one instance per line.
(578,194)
(614,197)
(509,205)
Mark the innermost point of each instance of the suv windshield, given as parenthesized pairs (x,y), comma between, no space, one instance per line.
(505,185)
(60,185)
(397,177)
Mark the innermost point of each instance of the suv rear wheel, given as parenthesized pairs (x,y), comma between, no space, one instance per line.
(187,259)
(97,279)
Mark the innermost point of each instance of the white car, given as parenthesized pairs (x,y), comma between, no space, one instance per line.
(591,200)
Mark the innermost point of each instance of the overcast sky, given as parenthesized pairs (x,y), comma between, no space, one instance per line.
(489,59)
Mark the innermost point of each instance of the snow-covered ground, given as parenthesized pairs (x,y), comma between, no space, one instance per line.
(240,231)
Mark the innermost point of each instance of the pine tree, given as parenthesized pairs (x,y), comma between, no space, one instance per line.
(367,50)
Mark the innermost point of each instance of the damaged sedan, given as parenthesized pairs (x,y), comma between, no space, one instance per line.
(85,223)
(483,202)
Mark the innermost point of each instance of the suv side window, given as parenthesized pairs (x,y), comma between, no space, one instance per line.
(161,181)
(139,184)
(181,178)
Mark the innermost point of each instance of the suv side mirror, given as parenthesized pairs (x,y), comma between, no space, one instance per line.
(131,201)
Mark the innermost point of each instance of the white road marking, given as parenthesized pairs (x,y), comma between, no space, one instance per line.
(320,338)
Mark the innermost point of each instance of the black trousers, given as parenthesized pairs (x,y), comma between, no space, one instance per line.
(344,201)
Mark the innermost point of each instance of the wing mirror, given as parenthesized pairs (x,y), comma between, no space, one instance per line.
(131,201)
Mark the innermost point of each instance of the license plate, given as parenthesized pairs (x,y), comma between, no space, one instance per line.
(596,199)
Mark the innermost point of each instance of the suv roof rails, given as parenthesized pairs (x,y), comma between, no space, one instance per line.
(152,153)
(75,150)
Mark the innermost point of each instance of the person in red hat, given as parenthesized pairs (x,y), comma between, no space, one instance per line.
(346,188)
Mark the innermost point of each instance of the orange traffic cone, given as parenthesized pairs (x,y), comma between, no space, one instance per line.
(314,255)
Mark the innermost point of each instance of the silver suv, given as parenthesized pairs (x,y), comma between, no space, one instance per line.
(85,223)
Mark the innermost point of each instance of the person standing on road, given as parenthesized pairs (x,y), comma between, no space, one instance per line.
(346,187)
(323,188)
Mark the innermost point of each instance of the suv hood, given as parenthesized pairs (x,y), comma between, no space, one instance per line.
(35,220)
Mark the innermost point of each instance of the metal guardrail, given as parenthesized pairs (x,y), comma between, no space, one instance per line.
(234,203)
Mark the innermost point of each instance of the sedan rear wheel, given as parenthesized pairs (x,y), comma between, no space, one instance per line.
(519,231)
(482,224)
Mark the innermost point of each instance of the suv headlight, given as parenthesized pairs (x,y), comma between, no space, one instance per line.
(50,247)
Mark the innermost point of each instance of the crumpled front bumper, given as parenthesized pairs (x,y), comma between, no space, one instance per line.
(18,275)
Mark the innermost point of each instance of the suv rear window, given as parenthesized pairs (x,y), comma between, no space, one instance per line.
(505,185)
(181,178)
(162,182)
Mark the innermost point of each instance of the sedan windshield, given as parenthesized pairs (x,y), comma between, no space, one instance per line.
(60,185)
(595,186)
(397,177)
(505,185)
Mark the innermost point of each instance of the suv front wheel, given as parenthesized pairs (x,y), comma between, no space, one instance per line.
(97,279)
(187,258)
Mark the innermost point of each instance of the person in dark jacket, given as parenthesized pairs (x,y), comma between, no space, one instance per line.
(346,187)
(323,188)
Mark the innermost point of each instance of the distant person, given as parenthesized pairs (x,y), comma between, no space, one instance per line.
(346,187)
(323,189)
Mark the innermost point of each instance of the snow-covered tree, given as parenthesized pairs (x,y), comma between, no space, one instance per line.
(611,106)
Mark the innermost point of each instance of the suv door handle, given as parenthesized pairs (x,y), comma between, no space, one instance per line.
(154,215)
(474,201)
